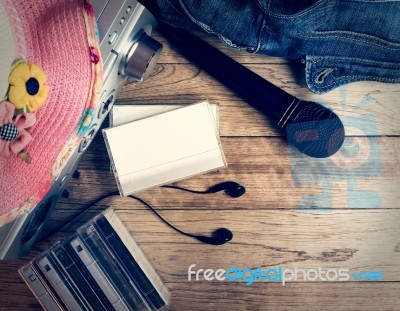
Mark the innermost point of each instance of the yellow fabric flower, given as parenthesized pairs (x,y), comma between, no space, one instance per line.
(27,86)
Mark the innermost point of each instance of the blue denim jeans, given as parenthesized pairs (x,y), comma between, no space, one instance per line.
(340,41)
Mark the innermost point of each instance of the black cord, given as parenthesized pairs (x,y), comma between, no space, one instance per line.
(84,209)
(184,189)
(161,218)
(116,192)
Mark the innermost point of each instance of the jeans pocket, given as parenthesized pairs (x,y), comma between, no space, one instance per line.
(170,12)
(299,17)
(287,8)
(237,23)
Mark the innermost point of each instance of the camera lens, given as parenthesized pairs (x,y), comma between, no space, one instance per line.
(141,58)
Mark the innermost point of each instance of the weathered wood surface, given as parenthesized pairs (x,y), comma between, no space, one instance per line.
(352,200)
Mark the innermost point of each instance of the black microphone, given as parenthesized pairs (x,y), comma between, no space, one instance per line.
(312,128)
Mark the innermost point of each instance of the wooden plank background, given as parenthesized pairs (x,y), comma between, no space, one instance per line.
(352,213)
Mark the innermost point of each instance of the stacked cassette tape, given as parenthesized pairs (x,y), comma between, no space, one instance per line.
(100,267)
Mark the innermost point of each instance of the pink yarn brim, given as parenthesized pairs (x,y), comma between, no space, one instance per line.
(56,40)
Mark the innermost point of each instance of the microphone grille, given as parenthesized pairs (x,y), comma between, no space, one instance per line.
(315,130)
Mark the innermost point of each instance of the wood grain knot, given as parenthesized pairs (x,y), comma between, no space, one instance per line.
(337,255)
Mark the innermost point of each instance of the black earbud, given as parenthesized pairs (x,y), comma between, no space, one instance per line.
(219,237)
(231,188)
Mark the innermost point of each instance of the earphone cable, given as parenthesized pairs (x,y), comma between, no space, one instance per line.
(184,189)
(162,218)
(113,193)
(84,209)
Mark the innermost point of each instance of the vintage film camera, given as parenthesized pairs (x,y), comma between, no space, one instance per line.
(127,50)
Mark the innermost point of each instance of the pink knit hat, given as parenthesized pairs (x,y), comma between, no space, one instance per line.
(50,82)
